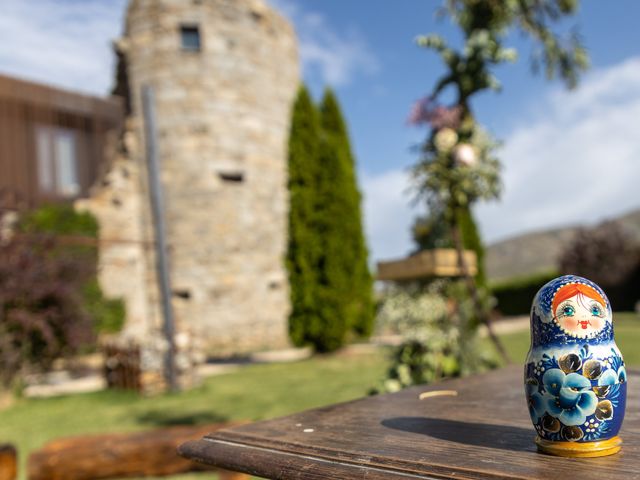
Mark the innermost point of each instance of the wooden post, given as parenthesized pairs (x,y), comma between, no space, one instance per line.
(8,462)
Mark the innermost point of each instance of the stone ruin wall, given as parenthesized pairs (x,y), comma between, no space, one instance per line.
(223,120)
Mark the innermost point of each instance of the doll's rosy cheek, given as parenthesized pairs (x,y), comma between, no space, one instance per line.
(569,323)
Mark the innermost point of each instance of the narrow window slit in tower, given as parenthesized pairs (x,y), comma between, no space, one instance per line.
(182,293)
(235,177)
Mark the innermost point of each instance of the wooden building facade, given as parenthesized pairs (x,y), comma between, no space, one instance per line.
(51,142)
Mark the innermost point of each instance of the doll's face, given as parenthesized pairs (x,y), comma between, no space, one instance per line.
(581,316)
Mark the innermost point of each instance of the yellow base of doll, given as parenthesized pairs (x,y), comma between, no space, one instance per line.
(580,450)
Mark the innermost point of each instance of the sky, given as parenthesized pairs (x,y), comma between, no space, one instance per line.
(568,157)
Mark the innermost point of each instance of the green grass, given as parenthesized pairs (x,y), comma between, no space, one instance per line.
(251,393)
(626,328)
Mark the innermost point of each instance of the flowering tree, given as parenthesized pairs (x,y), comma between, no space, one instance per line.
(458,166)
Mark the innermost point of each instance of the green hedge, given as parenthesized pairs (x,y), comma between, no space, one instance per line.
(515,295)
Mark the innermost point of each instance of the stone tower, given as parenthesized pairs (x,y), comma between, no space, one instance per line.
(225,73)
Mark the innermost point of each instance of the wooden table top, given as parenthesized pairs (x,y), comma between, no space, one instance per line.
(483,432)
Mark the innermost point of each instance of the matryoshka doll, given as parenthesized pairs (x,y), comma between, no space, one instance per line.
(575,380)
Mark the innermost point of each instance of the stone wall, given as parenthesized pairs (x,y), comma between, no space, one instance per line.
(223,119)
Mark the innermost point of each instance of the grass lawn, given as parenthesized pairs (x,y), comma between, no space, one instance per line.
(251,393)
(627,331)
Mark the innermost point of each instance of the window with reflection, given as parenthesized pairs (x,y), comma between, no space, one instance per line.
(57,162)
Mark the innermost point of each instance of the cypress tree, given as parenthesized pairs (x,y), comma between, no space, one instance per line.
(331,287)
(304,248)
(346,284)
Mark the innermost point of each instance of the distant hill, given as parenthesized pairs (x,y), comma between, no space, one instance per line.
(538,252)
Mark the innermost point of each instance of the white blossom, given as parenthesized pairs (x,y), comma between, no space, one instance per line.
(465,155)
(445,139)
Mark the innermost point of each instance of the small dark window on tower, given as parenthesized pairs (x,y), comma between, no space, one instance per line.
(190,37)
(235,177)
(184,294)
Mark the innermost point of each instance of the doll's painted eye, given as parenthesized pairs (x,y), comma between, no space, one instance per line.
(596,311)
(568,311)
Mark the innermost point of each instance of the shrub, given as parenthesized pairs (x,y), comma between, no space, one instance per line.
(41,307)
(514,296)
(609,256)
(76,233)
(440,336)
(107,314)
(59,220)
(404,312)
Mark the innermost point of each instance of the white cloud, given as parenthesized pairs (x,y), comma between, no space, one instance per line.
(575,159)
(64,43)
(336,57)
(68,43)
(388,213)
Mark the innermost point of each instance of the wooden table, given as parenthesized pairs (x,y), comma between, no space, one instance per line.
(483,432)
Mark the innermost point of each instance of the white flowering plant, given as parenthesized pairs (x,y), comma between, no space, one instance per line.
(440,337)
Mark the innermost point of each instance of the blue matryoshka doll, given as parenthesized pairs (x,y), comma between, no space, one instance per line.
(575,380)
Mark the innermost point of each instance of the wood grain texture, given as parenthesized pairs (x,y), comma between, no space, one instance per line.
(483,432)
(426,263)
(89,457)
(8,462)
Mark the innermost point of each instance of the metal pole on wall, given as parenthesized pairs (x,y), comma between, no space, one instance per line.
(157,208)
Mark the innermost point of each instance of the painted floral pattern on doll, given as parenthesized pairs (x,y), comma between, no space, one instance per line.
(575,379)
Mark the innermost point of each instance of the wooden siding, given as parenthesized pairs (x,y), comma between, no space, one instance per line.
(25,106)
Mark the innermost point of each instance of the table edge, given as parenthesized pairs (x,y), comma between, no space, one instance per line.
(272,463)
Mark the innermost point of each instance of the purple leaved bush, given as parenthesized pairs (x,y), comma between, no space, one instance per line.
(42,317)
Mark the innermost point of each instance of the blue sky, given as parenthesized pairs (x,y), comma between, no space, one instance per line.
(389,71)
(568,157)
